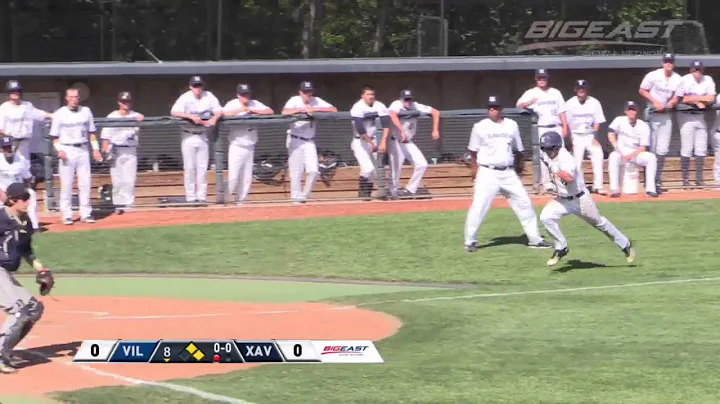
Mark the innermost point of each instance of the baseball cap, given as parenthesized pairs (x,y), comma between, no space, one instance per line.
(542,73)
(5,141)
(406,94)
(668,58)
(17,190)
(13,85)
(631,105)
(306,86)
(243,89)
(124,96)
(581,84)
(494,101)
(696,65)
(196,81)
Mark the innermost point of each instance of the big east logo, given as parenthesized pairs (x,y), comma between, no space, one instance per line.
(344,349)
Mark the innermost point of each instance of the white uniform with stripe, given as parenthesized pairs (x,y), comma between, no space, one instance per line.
(662,89)
(494,143)
(302,153)
(715,141)
(581,118)
(19,171)
(630,138)
(241,151)
(362,150)
(399,152)
(73,129)
(195,144)
(123,171)
(693,128)
(573,199)
(549,104)
(18,122)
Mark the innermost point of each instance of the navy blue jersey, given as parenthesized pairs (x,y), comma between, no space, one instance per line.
(16,236)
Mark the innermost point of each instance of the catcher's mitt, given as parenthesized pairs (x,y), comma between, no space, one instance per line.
(519,163)
(45,280)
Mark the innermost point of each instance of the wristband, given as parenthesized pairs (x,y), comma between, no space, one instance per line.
(95,145)
(38,265)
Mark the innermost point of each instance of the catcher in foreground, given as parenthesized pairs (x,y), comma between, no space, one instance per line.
(22,309)
(495,160)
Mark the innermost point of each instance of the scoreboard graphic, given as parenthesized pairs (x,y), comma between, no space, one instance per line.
(227,351)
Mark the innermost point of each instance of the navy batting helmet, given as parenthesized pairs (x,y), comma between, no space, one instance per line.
(550,140)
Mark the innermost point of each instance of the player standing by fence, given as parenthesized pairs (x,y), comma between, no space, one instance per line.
(15,168)
(18,117)
(658,87)
(73,128)
(242,140)
(202,109)
(120,147)
(364,114)
(302,153)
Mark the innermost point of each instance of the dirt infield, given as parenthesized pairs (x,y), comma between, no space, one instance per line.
(68,321)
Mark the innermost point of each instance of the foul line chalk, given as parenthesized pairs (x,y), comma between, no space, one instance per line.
(169,386)
(161,316)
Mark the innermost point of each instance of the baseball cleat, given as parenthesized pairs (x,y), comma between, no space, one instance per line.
(615,195)
(87,220)
(557,255)
(67,222)
(542,244)
(629,252)
(471,248)
(700,183)
(6,368)
(652,194)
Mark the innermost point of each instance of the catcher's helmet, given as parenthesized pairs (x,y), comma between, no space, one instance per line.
(268,167)
(328,161)
(550,140)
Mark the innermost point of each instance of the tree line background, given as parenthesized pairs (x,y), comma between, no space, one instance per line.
(95,30)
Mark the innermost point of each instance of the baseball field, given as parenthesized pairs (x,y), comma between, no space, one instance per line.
(496,326)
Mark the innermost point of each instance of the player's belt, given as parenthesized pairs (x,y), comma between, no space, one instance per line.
(496,168)
(189,132)
(548,126)
(570,198)
(693,112)
(301,138)
(74,144)
(125,146)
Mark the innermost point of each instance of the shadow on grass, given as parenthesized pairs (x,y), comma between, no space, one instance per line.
(572,265)
(505,240)
(26,359)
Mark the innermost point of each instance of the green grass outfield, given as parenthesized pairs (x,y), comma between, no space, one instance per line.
(652,343)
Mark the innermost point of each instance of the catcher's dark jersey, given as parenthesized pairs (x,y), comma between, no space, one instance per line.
(16,237)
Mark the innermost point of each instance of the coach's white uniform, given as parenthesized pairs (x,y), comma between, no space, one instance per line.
(581,119)
(573,199)
(241,151)
(715,140)
(195,144)
(661,88)
(302,153)
(18,121)
(548,106)
(362,150)
(399,152)
(630,138)
(494,144)
(19,171)
(123,171)
(73,129)
(693,128)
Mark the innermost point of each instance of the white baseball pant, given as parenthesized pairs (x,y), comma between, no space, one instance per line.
(693,134)
(363,153)
(716,152)
(302,156)
(399,152)
(77,161)
(544,173)
(240,170)
(583,207)
(123,174)
(488,183)
(643,159)
(32,209)
(196,155)
(584,144)
(660,133)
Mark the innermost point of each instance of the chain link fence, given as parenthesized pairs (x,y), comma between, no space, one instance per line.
(160,163)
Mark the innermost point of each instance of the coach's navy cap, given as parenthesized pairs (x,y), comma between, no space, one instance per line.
(406,94)
(668,58)
(542,73)
(5,141)
(494,101)
(13,85)
(631,105)
(306,86)
(17,190)
(696,65)
(581,84)
(196,81)
(124,96)
(243,89)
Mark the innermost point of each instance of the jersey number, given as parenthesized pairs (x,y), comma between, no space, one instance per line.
(411,126)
